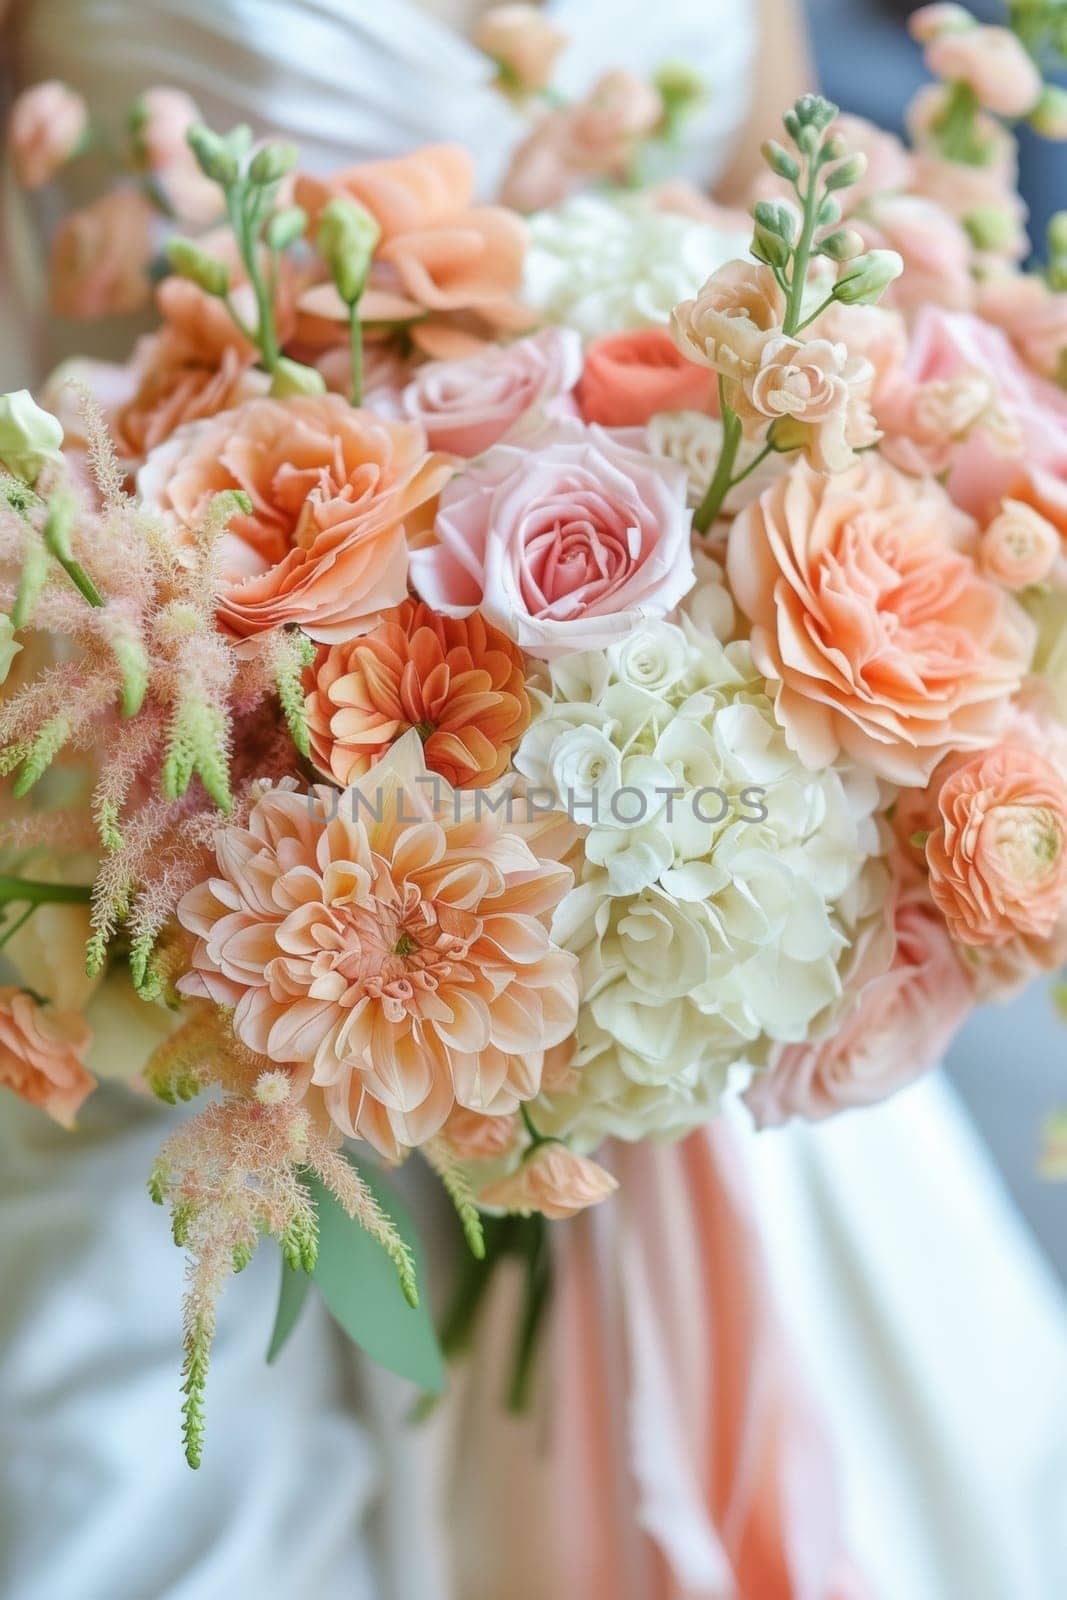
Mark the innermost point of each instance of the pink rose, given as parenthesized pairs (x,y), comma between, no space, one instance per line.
(565,541)
(42,1054)
(899,1027)
(47,124)
(466,406)
(880,634)
(100,258)
(553,1181)
(993,61)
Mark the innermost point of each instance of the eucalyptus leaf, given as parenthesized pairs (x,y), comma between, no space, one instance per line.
(294,1289)
(359,1284)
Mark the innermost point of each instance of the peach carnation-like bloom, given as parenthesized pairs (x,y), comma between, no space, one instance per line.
(46,126)
(42,1055)
(458,681)
(629,378)
(735,315)
(998,856)
(1020,546)
(993,62)
(466,406)
(565,540)
(880,635)
(817,393)
(523,41)
(100,258)
(901,1024)
(393,939)
(334,493)
(552,1180)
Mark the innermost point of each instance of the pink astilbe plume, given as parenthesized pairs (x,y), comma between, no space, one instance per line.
(140,680)
(236,1172)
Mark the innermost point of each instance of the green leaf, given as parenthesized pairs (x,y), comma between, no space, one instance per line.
(294,1289)
(359,1284)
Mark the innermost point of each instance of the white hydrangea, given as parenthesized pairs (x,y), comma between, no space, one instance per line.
(605,265)
(724,885)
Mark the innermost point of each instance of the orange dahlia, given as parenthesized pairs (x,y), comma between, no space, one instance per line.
(393,941)
(458,681)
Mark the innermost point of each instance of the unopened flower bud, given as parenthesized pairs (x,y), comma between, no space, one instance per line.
(679,85)
(829,212)
(189,261)
(929,22)
(1057,233)
(59,525)
(214,158)
(346,239)
(850,171)
(271,163)
(867,278)
(777,219)
(844,245)
(30,438)
(292,377)
(1049,116)
(815,111)
(286,227)
(781,163)
(769,247)
(989,227)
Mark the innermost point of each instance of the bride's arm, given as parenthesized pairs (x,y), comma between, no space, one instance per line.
(783,71)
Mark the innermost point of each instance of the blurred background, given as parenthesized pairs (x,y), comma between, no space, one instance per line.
(1010,1062)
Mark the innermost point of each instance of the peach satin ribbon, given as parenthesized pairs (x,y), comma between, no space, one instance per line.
(672,1452)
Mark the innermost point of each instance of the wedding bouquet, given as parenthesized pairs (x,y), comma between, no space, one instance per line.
(494,687)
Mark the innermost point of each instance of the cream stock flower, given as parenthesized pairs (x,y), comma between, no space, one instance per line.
(395,948)
(817,392)
(1020,546)
(729,324)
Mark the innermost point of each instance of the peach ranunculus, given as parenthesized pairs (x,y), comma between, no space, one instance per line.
(457,680)
(100,258)
(42,1055)
(1020,547)
(879,634)
(899,1027)
(998,854)
(523,42)
(628,378)
(46,126)
(991,61)
(392,941)
(439,253)
(1033,316)
(553,1181)
(735,315)
(466,406)
(334,493)
(565,541)
(160,121)
(817,393)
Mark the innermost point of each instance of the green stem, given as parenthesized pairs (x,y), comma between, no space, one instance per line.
(9,933)
(537,1297)
(355,336)
(244,221)
(81,581)
(957,128)
(827,303)
(31,891)
(536,1136)
(757,461)
(719,487)
(798,279)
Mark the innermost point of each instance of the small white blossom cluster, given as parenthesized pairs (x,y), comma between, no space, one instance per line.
(610,265)
(725,891)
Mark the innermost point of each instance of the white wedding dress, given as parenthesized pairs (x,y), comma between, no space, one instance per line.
(933,1334)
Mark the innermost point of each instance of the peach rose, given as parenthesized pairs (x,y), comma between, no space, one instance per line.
(1020,546)
(879,634)
(1033,316)
(100,258)
(46,126)
(998,856)
(727,325)
(993,62)
(466,406)
(564,541)
(553,1181)
(899,1027)
(522,41)
(817,392)
(460,682)
(393,942)
(333,492)
(630,377)
(42,1054)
